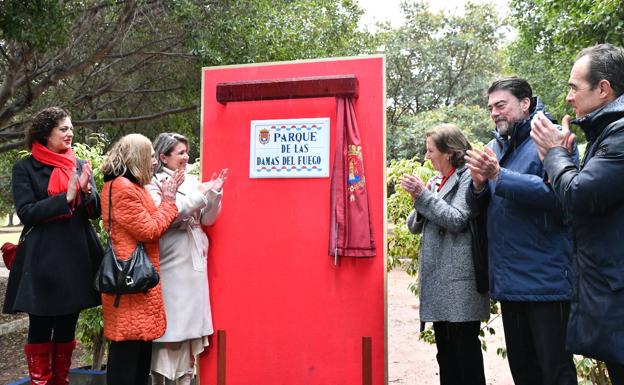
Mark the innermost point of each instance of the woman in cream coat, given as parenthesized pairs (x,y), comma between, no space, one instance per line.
(183,251)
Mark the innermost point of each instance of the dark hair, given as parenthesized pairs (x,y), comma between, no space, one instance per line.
(164,144)
(43,123)
(449,139)
(518,87)
(606,61)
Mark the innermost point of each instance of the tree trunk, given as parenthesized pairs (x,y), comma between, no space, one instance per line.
(11,219)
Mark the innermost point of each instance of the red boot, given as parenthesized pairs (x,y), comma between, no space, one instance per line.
(61,361)
(38,357)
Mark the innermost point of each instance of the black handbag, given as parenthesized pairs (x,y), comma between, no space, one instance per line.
(133,275)
(478,230)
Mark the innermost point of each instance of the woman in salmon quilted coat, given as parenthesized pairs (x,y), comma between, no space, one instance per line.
(140,317)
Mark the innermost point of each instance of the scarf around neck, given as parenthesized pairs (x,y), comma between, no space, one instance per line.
(64,165)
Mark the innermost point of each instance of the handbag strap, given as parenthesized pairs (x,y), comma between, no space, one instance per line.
(23,235)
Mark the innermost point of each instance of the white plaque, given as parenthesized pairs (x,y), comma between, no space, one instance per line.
(289,148)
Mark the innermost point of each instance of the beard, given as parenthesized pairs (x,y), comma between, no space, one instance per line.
(504,126)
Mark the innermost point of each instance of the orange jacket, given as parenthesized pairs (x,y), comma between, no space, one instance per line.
(135,219)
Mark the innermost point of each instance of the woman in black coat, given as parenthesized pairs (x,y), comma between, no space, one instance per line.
(52,276)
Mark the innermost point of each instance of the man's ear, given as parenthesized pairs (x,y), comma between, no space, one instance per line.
(525,104)
(606,91)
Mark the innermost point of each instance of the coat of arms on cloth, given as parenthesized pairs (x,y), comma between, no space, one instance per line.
(356,178)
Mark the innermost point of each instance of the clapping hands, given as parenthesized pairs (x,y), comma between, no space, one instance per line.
(483,165)
(83,182)
(72,187)
(413,185)
(546,135)
(215,183)
(171,184)
(85,178)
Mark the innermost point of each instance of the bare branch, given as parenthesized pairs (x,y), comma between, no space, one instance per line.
(134,119)
(12,146)
(11,135)
(152,53)
(124,22)
(145,91)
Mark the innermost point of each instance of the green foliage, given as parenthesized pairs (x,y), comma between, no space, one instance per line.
(406,138)
(551,33)
(134,66)
(591,372)
(402,244)
(6,197)
(427,335)
(90,328)
(438,67)
(437,60)
(94,154)
(38,24)
(89,332)
(271,30)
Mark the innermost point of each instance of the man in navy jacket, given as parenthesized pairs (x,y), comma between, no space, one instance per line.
(594,196)
(529,245)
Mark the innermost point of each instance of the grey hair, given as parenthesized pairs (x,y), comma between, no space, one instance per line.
(164,144)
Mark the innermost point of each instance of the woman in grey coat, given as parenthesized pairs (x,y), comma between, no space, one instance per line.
(448,294)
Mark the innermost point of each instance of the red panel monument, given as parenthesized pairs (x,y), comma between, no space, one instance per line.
(285,311)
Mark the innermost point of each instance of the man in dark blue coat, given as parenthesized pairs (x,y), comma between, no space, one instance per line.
(594,196)
(529,246)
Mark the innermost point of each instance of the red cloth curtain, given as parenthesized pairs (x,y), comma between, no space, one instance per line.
(351,232)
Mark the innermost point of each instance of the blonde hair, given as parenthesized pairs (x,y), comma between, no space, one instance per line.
(131,153)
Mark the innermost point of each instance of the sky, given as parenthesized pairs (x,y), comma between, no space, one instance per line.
(381,10)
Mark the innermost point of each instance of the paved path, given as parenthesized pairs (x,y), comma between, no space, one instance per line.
(412,362)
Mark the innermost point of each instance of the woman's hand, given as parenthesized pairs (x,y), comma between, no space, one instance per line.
(171,184)
(179,176)
(85,178)
(72,187)
(215,183)
(413,185)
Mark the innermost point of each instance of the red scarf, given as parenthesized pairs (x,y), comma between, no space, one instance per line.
(446,178)
(64,165)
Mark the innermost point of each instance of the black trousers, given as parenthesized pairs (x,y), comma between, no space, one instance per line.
(535,334)
(128,362)
(58,328)
(616,373)
(459,353)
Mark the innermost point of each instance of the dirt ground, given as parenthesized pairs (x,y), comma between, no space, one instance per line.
(12,362)
(413,362)
(410,361)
